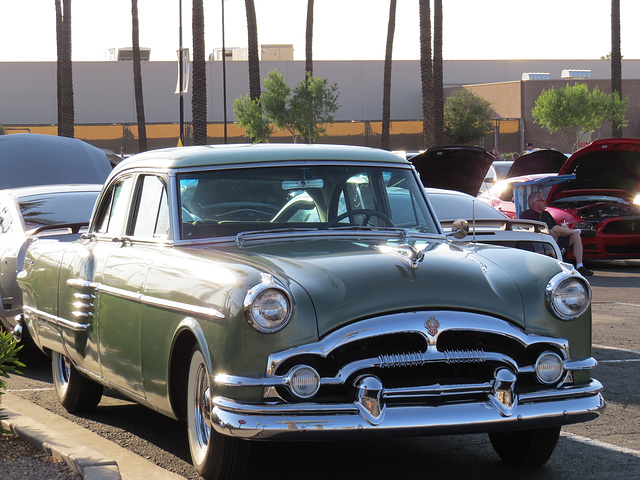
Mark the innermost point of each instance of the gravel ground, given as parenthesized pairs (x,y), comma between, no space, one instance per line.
(19,459)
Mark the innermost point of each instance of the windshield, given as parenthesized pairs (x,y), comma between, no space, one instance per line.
(227,202)
(60,208)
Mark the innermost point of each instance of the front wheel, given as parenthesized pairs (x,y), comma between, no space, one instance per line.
(215,456)
(75,392)
(526,448)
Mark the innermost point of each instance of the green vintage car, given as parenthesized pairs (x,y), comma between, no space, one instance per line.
(306,292)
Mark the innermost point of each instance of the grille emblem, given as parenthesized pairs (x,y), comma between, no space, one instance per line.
(432,326)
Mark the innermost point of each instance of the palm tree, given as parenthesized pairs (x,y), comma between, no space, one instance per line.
(137,78)
(66,117)
(199,83)
(254,62)
(386,88)
(308,66)
(438,81)
(426,73)
(616,60)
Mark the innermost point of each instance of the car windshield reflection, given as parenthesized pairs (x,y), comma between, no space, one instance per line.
(226,202)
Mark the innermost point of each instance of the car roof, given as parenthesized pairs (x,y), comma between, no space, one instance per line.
(238,154)
(35,159)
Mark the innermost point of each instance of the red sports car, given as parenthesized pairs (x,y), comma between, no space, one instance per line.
(602,197)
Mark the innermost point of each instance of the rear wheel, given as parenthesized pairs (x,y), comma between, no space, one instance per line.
(76,392)
(215,456)
(527,448)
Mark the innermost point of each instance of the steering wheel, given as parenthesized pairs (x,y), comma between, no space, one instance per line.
(367,212)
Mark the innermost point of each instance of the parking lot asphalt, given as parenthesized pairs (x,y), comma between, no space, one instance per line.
(89,453)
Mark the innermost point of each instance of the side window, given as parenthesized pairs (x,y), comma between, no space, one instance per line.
(114,209)
(152,216)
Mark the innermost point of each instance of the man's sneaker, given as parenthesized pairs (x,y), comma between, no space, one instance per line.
(584,271)
(588,233)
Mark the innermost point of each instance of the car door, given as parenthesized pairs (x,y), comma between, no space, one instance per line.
(136,236)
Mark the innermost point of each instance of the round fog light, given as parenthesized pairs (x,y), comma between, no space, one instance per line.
(549,367)
(304,381)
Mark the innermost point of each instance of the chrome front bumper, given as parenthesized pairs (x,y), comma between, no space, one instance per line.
(370,414)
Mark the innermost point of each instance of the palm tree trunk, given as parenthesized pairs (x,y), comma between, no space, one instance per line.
(58,63)
(66,121)
(616,60)
(137,78)
(254,61)
(308,66)
(438,74)
(199,84)
(426,73)
(386,88)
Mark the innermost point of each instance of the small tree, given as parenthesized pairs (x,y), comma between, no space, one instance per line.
(303,113)
(467,117)
(249,116)
(311,108)
(2,130)
(576,112)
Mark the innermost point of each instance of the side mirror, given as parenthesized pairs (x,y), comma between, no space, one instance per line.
(459,228)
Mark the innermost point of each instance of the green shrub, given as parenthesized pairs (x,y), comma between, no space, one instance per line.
(9,362)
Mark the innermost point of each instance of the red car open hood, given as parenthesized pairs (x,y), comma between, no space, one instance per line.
(458,168)
(539,161)
(607,167)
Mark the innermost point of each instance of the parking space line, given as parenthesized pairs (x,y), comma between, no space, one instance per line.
(627,350)
(598,443)
(13,390)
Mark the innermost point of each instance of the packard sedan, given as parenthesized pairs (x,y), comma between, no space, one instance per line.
(268,292)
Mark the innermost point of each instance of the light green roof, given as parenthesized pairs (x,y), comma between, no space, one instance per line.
(236,154)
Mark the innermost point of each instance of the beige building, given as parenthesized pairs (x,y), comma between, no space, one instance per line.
(105,107)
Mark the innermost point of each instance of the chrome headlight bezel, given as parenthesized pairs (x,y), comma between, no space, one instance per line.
(276,297)
(568,295)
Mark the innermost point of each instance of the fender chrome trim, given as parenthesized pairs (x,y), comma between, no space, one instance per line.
(179,307)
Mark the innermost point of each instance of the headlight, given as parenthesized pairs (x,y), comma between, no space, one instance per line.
(568,297)
(549,368)
(268,306)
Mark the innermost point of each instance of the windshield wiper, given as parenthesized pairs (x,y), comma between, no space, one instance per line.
(242,236)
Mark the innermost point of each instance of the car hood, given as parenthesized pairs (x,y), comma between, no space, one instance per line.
(454,168)
(604,167)
(351,280)
(538,161)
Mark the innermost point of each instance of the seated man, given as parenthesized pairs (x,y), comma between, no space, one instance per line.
(537,211)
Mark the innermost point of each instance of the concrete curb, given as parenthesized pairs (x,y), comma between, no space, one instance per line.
(80,459)
(84,451)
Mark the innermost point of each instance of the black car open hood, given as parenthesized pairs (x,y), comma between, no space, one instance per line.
(606,167)
(539,161)
(454,168)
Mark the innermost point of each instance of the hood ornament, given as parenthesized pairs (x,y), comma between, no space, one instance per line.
(405,252)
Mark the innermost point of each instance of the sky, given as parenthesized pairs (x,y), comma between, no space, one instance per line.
(343,29)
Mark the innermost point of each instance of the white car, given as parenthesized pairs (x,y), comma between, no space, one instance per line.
(487,225)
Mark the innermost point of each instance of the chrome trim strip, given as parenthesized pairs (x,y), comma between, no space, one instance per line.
(319,421)
(148,300)
(55,320)
(182,307)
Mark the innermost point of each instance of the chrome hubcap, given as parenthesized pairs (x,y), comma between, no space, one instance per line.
(202,407)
